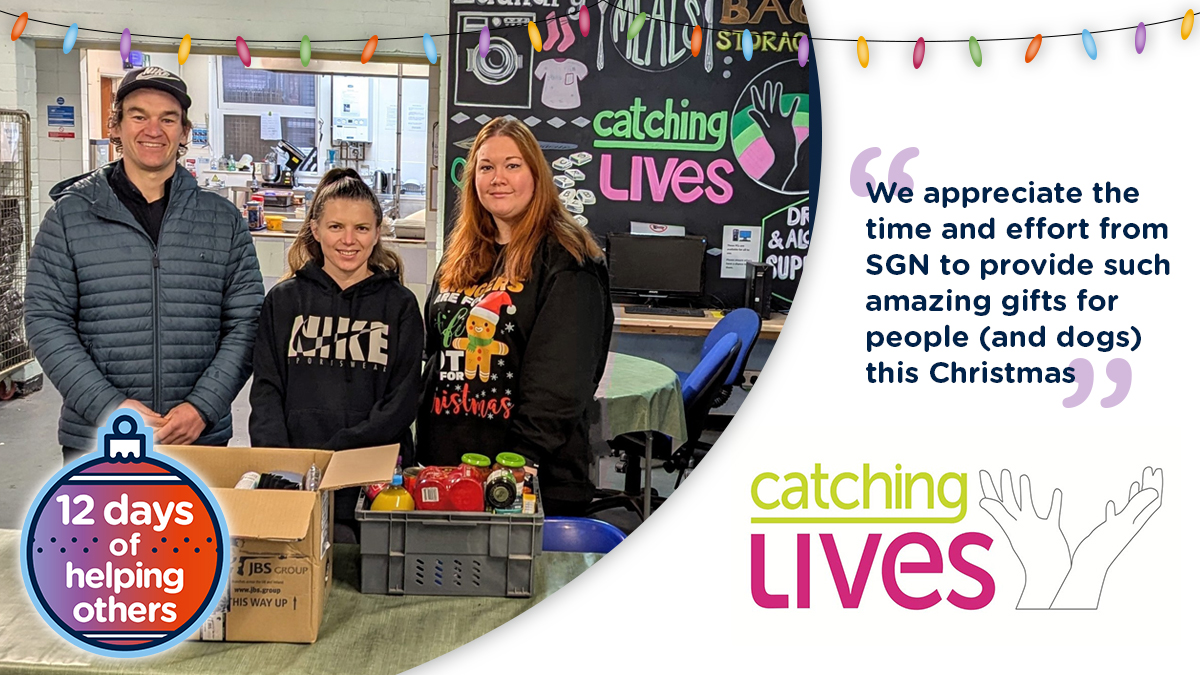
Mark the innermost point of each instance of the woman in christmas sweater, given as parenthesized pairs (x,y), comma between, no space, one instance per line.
(337,362)
(518,323)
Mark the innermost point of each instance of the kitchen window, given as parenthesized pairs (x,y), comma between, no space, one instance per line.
(246,94)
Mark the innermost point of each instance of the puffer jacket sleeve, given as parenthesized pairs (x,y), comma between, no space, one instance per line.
(220,383)
(268,416)
(51,311)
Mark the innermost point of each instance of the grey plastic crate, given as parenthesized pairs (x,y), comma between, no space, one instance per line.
(448,553)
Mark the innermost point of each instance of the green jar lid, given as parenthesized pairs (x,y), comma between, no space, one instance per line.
(476,460)
(510,460)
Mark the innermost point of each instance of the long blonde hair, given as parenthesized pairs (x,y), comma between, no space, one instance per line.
(470,254)
(340,184)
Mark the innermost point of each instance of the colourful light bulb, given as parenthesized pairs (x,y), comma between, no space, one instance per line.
(802,51)
(70,37)
(1186,29)
(126,44)
(864,55)
(243,51)
(585,21)
(305,51)
(1034,45)
(430,49)
(636,26)
(369,49)
(535,37)
(919,53)
(1139,38)
(1089,44)
(697,41)
(976,52)
(485,42)
(19,26)
(185,48)
(747,44)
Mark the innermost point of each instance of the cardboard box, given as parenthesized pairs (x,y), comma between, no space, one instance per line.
(281,560)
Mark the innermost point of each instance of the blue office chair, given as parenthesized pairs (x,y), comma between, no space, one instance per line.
(580,535)
(746,324)
(699,389)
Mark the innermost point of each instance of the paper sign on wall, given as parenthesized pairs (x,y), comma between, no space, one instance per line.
(270,129)
(740,244)
(10,142)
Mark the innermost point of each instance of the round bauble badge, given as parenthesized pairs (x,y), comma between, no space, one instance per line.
(125,552)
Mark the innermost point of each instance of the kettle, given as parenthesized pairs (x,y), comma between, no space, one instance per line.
(384,182)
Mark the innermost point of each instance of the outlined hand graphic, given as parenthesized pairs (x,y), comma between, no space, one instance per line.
(1038,542)
(767,110)
(1099,549)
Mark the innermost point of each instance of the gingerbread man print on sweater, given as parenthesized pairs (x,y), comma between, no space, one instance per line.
(480,344)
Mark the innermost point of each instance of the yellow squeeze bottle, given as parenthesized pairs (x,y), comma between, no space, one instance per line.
(394,498)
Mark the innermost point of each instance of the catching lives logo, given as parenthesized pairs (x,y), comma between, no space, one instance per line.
(1057,576)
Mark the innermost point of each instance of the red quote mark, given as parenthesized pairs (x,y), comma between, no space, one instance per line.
(859,178)
(1118,370)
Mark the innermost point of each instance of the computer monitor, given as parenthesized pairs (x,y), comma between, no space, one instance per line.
(655,266)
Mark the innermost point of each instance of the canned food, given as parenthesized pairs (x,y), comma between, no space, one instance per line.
(410,479)
(254,216)
(249,481)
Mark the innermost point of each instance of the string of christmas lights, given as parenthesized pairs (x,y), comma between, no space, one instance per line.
(635,26)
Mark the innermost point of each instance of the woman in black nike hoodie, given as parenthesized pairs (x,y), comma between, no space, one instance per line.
(337,362)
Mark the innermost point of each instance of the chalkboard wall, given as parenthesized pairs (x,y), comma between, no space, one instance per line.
(640,130)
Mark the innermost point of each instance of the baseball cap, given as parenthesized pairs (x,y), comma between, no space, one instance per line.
(153,77)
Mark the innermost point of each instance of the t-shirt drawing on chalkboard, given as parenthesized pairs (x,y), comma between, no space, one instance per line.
(560,78)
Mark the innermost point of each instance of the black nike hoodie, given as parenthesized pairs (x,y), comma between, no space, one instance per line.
(336,369)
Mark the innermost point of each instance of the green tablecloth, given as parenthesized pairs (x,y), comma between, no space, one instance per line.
(360,634)
(640,395)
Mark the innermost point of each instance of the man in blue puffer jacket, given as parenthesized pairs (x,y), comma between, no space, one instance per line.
(144,290)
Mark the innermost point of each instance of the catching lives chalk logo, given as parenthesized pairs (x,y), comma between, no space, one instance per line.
(1057,575)
(126,551)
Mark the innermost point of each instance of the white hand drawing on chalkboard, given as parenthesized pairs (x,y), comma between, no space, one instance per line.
(775,121)
(560,77)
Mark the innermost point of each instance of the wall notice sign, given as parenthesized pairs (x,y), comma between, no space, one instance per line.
(740,244)
(61,134)
(270,129)
(10,141)
(60,115)
(414,117)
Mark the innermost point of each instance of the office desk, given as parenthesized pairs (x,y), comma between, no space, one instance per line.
(360,634)
(690,326)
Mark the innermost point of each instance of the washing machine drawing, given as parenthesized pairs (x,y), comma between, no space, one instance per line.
(502,79)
